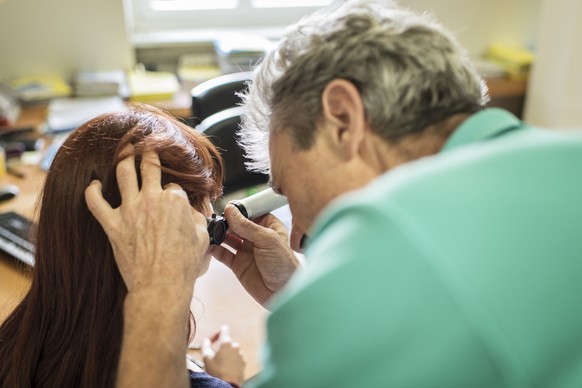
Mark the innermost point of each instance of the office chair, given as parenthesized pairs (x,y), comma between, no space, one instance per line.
(217,94)
(221,129)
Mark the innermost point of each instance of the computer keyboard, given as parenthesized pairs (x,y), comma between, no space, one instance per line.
(14,237)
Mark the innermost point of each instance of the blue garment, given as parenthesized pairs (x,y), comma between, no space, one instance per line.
(204,380)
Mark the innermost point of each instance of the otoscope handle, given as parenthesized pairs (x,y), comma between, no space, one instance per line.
(251,207)
(260,203)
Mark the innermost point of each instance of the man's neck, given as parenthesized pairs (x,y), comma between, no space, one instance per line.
(427,142)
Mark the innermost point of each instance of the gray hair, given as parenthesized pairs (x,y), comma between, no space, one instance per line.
(409,70)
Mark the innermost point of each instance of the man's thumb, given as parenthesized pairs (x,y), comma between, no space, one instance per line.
(242,226)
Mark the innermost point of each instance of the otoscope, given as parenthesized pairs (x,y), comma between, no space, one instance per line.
(251,207)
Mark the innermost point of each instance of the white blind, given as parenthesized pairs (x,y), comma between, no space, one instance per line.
(156,21)
(174,5)
(289,3)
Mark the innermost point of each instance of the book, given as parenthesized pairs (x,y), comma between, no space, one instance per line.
(516,61)
(237,52)
(101,83)
(148,86)
(194,69)
(34,89)
(9,106)
(66,114)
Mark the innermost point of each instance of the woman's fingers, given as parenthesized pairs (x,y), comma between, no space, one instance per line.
(206,349)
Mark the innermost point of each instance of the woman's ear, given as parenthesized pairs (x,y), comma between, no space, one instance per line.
(343,116)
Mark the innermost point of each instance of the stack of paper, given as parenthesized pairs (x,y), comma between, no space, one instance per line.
(35,89)
(194,69)
(66,114)
(516,61)
(237,52)
(148,86)
(9,106)
(101,83)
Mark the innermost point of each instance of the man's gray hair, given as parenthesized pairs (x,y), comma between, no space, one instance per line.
(409,70)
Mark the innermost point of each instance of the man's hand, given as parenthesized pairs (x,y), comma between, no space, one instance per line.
(263,261)
(157,238)
(160,246)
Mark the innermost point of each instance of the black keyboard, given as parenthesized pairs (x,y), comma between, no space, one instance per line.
(15,238)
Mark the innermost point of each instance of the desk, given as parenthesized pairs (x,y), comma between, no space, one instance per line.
(218,298)
(507,94)
(14,276)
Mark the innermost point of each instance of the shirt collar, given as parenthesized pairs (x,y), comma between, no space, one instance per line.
(483,125)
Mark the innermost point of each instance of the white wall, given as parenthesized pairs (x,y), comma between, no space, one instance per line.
(477,23)
(554,96)
(62,36)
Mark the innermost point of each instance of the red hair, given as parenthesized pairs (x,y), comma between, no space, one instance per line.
(67,330)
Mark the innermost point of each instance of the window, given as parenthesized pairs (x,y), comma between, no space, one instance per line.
(189,5)
(288,3)
(177,21)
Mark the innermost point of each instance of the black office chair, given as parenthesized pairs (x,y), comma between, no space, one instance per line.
(221,129)
(217,94)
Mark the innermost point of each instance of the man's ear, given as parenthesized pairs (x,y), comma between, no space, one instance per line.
(344,116)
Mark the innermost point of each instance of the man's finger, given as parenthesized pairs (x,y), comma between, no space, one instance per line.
(126,174)
(222,254)
(201,222)
(176,189)
(151,174)
(97,205)
(242,226)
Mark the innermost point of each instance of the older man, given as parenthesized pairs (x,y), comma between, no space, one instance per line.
(444,238)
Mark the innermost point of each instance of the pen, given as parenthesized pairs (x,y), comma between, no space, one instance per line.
(13,172)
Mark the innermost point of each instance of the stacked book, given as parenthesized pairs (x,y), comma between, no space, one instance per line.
(66,114)
(194,69)
(151,86)
(516,61)
(9,106)
(237,53)
(39,89)
(101,83)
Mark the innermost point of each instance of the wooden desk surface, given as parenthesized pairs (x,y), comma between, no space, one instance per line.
(218,299)
(15,276)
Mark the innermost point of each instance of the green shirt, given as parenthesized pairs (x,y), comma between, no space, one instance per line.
(458,270)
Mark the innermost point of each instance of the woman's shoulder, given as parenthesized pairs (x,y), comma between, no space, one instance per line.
(204,380)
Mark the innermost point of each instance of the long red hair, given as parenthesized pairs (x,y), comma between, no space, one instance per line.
(67,330)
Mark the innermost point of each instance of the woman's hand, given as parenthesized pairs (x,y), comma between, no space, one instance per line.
(223,357)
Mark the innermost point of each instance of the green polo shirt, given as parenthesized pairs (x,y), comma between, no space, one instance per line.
(458,270)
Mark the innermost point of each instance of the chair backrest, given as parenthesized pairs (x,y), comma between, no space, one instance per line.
(221,129)
(217,94)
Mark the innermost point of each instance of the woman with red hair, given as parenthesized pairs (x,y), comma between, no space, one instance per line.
(68,329)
